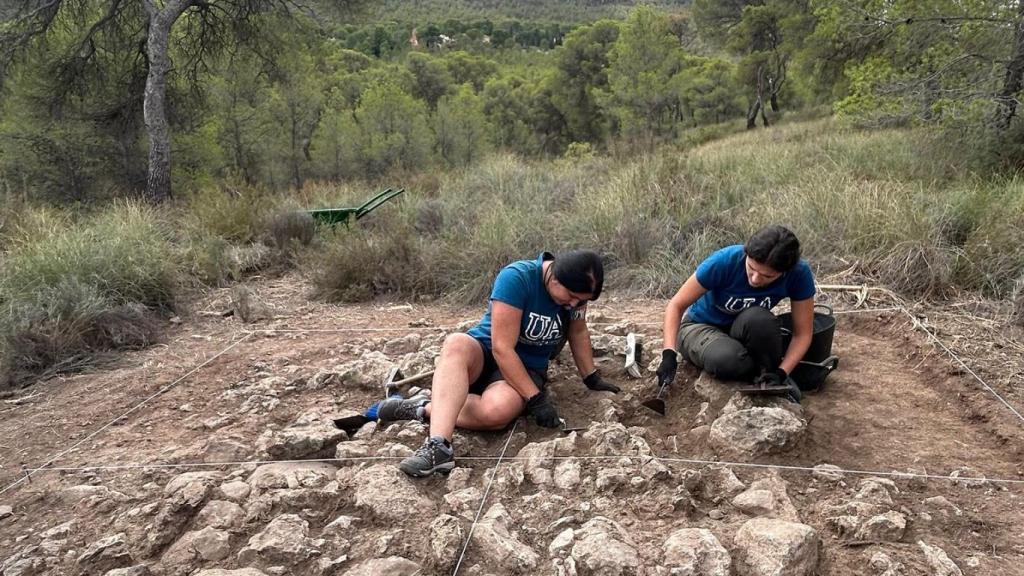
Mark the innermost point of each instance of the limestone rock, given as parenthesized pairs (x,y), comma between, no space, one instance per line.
(539,457)
(283,541)
(225,449)
(404,345)
(292,475)
(717,482)
(352,449)
(388,494)
(756,431)
(90,495)
(561,543)
(768,497)
(696,551)
(323,379)
(239,572)
(882,564)
(888,527)
(182,480)
(206,545)
(390,566)
(875,491)
(236,490)
(445,539)
(942,506)
(310,436)
(220,514)
(771,547)
(827,472)
(464,502)
(504,549)
(105,554)
(739,401)
(608,345)
(939,561)
(567,474)
(138,570)
(608,479)
(367,372)
(603,548)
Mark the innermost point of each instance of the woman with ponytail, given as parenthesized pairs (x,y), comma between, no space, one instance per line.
(487,377)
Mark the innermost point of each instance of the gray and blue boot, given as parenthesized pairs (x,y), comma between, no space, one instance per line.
(435,456)
(397,408)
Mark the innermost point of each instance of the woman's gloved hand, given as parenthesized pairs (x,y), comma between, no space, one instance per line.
(543,410)
(772,378)
(667,369)
(598,384)
(778,377)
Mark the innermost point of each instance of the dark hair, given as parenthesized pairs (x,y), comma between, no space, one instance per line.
(580,271)
(775,246)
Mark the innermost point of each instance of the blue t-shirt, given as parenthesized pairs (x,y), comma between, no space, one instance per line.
(521,285)
(724,274)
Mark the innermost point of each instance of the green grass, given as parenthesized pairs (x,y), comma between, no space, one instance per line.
(889,203)
(74,289)
(893,205)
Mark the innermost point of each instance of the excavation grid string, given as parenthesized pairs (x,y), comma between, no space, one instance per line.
(503,458)
(917,324)
(483,500)
(29,471)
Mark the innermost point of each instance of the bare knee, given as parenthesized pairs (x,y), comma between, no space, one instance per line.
(497,417)
(460,347)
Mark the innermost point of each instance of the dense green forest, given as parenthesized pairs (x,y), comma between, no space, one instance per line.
(278,98)
(886,133)
(568,11)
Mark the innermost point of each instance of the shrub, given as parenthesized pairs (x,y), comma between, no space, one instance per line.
(287,228)
(75,290)
(234,213)
(357,265)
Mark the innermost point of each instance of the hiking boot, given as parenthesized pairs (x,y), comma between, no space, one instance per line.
(398,409)
(435,456)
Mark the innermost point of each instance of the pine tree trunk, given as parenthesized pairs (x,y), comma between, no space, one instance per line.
(154,107)
(752,114)
(1014,80)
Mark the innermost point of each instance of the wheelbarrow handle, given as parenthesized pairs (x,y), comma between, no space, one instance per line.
(376,201)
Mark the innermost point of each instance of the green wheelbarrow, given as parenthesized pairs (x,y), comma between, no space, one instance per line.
(334,216)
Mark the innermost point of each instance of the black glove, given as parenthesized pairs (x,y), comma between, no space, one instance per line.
(778,377)
(772,378)
(594,382)
(667,369)
(543,411)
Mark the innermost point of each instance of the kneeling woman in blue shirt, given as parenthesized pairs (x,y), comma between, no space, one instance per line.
(488,376)
(721,320)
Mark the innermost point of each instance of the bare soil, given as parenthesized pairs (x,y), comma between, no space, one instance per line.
(896,404)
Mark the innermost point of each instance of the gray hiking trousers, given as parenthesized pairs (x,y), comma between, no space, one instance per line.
(737,352)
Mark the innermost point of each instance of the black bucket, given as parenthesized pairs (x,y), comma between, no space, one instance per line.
(819,361)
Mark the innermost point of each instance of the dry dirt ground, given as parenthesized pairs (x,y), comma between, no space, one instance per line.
(897,403)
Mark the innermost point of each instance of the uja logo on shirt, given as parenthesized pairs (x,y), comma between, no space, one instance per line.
(734,305)
(541,330)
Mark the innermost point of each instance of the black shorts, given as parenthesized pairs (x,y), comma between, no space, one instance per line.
(491,374)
